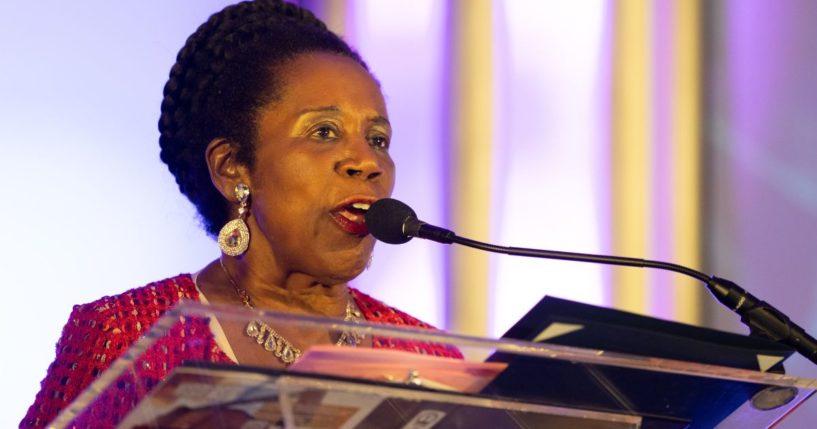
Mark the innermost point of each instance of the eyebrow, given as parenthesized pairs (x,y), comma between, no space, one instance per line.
(379,119)
(319,110)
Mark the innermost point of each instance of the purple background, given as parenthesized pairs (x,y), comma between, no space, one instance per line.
(91,211)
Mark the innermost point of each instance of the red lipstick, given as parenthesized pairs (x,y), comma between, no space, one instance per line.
(350,215)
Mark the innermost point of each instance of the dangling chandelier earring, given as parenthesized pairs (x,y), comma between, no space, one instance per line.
(234,237)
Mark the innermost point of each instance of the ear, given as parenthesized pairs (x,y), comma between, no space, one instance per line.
(225,170)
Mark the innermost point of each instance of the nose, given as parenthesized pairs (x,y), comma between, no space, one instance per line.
(360,161)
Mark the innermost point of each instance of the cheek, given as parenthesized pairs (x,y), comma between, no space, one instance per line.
(391,172)
(287,175)
(288,189)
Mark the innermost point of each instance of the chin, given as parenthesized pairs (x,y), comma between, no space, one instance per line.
(346,265)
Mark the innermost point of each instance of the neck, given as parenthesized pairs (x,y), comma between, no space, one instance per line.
(291,292)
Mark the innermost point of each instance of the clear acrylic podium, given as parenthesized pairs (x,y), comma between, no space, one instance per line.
(582,388)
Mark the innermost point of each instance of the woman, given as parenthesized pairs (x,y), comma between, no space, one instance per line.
(277,132)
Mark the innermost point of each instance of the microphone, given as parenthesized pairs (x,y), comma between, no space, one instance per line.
(394,222)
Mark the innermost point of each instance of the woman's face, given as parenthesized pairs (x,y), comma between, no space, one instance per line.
(321,156)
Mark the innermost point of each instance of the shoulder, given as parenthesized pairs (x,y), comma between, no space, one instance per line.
(118,320)
(141,304)
(376,311)
(160,294)
(95,335)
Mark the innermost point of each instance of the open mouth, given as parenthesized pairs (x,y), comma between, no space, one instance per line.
(351,216)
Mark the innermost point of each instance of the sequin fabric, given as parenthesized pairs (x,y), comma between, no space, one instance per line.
(100,332)
(375,311)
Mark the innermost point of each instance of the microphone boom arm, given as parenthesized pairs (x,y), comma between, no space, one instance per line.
(394,222)
(762,319)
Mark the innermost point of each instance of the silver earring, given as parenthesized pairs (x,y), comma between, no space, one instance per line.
(234,237)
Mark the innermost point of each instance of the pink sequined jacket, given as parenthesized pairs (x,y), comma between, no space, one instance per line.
(99,332)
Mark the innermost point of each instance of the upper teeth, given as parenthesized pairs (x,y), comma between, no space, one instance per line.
(361,206)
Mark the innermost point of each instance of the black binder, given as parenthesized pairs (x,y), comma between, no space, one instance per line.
(664,399)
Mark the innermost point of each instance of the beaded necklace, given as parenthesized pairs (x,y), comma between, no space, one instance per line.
(274,342)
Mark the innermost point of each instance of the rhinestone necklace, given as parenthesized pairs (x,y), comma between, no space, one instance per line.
(274,342)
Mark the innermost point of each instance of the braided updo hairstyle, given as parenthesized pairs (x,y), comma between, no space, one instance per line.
(226,71)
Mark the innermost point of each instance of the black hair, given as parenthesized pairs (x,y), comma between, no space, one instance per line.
(226,71)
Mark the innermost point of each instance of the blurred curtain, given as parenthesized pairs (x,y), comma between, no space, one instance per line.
(564,125)
(661,129)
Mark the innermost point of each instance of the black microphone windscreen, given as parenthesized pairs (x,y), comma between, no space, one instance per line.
(385,219)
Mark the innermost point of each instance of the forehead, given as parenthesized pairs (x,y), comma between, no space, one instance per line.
(319,79)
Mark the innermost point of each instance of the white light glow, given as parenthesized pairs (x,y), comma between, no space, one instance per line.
(549,190)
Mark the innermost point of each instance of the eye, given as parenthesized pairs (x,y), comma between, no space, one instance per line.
(379,141)
(325,132)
